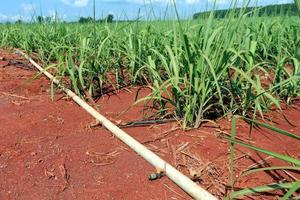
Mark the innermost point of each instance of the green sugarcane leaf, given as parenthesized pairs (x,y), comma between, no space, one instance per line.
(260,189)
(271,169)
(276,130)
(270,153)
(293,189)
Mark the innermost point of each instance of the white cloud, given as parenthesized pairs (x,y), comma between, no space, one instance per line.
(154,1)
(139,1)
(76,3)
(188,2)
(3,17)
(192,1)
(284,1)
(54,15)
(222,2)
(218,2)
(28,7)
(12,18)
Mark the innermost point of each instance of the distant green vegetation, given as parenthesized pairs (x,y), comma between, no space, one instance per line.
(196,69)
(108,19)
(270,10)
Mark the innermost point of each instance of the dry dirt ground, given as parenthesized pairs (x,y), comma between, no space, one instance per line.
(49,150)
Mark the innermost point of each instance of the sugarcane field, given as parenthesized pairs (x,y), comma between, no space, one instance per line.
(150,99)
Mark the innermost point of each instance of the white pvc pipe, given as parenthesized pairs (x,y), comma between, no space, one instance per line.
(180,179)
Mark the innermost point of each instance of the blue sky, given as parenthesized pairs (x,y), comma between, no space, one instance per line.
(72,9)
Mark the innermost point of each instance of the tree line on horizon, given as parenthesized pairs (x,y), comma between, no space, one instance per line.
(46,19)
(108,19)
(289,9)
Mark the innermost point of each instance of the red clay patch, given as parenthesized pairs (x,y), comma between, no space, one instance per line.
(48,150)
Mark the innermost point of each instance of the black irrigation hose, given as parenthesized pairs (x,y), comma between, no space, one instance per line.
(146,123)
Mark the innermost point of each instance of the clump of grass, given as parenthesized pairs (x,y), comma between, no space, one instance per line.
(221,69)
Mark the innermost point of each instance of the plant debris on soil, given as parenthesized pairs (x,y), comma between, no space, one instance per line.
(49,150)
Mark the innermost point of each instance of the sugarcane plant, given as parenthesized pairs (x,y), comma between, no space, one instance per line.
(293,164)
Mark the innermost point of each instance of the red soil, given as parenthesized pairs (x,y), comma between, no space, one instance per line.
(49,151)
